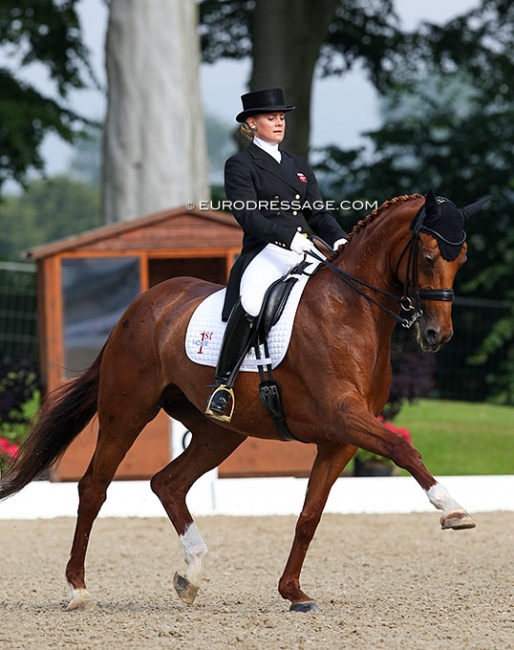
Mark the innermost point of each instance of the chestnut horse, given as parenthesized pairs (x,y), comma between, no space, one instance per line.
(334,381)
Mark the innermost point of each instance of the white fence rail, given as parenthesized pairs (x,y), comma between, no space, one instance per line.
(265,496)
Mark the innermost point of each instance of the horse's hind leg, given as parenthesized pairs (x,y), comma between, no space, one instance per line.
(210,445)
(110,451)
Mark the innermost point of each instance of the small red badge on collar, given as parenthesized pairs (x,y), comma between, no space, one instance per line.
(301,177)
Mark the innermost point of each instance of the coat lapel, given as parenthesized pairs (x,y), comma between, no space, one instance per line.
(284,170)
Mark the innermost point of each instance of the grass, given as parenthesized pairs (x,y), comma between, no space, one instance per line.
(461,438)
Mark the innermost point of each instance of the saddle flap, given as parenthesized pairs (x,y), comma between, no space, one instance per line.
(274,302)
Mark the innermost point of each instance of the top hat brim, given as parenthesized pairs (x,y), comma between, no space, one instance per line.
(263,109)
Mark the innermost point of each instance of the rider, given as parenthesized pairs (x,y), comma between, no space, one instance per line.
(276,200)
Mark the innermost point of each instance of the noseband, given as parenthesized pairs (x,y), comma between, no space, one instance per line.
(410,300)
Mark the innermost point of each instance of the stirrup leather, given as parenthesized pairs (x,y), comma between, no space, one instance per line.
(219,416)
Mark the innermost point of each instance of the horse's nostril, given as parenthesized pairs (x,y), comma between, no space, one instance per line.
(432,336)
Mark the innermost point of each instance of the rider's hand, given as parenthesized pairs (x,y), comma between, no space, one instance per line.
(340,242)
(301,244)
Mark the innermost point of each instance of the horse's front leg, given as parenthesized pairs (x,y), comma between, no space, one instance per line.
(328,465)
(370,434)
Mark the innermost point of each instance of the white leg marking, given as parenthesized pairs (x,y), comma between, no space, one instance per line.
(195,551)
(80,599)
(439,497)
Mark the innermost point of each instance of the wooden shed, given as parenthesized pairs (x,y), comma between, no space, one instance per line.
(85,283)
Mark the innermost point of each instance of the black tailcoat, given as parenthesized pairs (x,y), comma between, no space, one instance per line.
(272,202)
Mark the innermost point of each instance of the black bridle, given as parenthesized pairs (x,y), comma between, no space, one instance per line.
(412,295)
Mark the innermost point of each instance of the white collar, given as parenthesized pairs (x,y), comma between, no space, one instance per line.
(270,148)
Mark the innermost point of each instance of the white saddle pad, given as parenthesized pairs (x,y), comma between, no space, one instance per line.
(205,330)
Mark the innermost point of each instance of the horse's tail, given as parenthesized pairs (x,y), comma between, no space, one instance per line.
(64,414)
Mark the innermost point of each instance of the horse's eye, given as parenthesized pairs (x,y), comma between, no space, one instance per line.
(429,259)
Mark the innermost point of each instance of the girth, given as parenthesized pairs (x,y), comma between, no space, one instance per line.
(274,302)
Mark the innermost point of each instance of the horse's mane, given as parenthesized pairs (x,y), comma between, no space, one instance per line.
(382,208)
(360,225)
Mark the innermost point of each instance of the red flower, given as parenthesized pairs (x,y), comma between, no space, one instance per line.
(400,431)
(9,448)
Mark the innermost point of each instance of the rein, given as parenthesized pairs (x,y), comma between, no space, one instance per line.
(410,300)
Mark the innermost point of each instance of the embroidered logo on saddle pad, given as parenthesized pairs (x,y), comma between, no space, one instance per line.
(205,330)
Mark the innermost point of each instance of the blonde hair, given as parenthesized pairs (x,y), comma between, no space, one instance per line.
(247,131)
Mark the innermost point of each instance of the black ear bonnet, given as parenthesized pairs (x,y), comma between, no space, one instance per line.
(441,219)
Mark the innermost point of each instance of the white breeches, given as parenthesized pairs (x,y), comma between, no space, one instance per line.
(269,265)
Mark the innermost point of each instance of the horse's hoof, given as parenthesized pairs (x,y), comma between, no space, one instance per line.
(307,606)
(186,591)
(458,520)
(80,600)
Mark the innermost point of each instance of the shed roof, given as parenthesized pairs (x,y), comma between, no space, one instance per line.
(175,228)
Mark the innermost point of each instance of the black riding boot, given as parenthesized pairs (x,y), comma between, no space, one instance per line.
(236,343)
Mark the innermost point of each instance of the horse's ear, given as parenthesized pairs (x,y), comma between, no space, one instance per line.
(473,208)
(431,206)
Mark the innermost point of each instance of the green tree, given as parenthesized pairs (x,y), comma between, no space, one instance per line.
(449,136)
(46,32)
(220,146)
(46,211)
(462,153)
(288,38)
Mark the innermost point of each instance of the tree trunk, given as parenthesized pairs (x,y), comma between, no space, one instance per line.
(155,154)
(287,38)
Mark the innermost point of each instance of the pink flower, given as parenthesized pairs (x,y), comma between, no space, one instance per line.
(400,431)
(8,448)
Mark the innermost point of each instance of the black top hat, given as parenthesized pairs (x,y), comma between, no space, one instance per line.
(269,100)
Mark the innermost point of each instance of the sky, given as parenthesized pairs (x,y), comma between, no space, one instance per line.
(343,107)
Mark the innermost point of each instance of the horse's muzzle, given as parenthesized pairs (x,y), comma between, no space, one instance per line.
(432,338)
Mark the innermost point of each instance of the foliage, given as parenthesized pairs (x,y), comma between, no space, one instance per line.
(360,30)
(48,210)
(329,32)
(220,146)
(461,438)
(46,33)
(477,43)
(19,402)
(464,155)
(225,29)
(449,124)
(18,382)
(499,342)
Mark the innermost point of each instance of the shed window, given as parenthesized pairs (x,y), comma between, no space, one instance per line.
(96,292)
